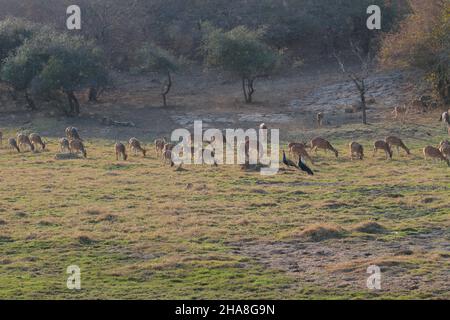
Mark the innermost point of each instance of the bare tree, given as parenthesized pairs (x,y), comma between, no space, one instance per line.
(358,77)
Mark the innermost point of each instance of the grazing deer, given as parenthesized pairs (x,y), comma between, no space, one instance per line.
(400,113)
(36,140)
(135,146)
(434,153)
(300,151)
(398,143)
(159,145)
(356,150)
(72,133)
(380,144)
(76,146)
(167,156)
(64,145)
(300,144)
(319,118)
(120,150)
(321,143)
(444,148)
(13,144)
(23,139)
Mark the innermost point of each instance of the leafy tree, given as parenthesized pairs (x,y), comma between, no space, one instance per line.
(13,33)
(152,58)
(51,63)
(241,52)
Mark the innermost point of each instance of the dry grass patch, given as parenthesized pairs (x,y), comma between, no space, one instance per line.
(320,232)
(369,227)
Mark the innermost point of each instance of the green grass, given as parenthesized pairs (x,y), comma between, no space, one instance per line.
(137,231)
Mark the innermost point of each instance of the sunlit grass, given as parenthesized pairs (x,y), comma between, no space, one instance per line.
(139,229)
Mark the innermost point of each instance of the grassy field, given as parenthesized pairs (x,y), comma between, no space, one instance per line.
(139,229)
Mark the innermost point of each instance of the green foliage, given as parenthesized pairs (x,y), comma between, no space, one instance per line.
(240,51)
(51,61)
(13,33)
(423,41)
(151,58)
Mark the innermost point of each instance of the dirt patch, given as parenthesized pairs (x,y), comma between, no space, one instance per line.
(340,264)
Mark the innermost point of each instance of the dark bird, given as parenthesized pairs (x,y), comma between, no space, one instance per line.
(304,167)
(288,162)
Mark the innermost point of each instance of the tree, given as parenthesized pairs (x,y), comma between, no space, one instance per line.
(423,41)
(152,58)
(13,33)
(51,63)
(359,76)
(241,52)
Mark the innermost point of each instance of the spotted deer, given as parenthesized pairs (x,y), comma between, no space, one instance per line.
(135,146)
(72,133)
(300,152)
(120,151)
(36,140)
(398,143)
(382,145)
(321,143)
(356,150)
(23,140)
(64,145)
(319,118)
(400,113)
(434,153)
(76,146)
(13,144)
(159,145)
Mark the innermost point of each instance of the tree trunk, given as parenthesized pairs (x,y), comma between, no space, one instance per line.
(363,107)
(244,89)
(166,89)
(30,102)
(73,102)
(247,88)
(250,89)
(93,93)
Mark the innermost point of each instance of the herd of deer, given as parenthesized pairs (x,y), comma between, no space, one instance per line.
(356,150)
(73,144)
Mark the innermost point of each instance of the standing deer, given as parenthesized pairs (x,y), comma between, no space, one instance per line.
(319,118)
(434,153)
(13,144)
(400,113)
(120,151)
(382,145)
(64,145)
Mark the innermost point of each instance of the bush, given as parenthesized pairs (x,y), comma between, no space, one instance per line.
(423,41)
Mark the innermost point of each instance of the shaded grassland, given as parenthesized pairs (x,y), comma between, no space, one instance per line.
(139,229)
